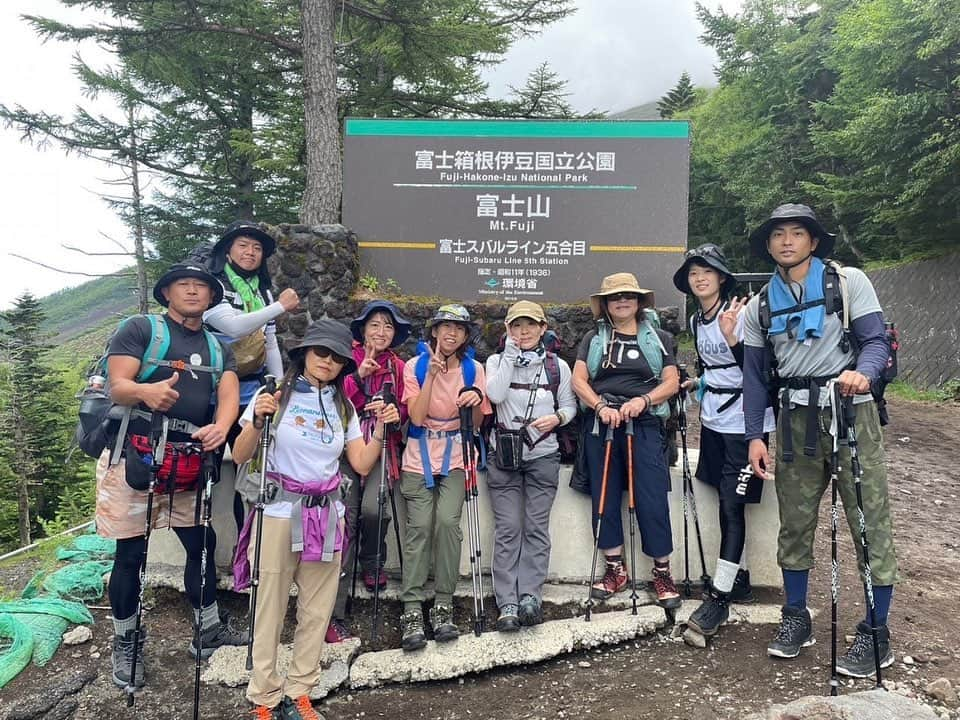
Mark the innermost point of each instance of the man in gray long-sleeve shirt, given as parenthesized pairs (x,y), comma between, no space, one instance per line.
(801,334)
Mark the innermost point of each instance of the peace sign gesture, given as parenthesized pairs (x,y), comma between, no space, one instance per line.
(369,365)
(728,319)
(438,364)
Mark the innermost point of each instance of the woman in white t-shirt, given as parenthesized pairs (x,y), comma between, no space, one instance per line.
(717,329)
(303,533)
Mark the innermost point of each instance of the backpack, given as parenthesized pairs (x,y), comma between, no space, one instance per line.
(100,420)
(836,300)
(568,436)
(648,341)
(201,254)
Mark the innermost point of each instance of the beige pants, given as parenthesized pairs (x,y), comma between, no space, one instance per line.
(317,589)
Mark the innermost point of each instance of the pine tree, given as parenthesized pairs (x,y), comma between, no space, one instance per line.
(681,97)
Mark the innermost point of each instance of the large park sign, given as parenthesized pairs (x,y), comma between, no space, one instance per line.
(513,209)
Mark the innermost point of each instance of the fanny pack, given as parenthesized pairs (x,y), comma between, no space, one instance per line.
(179,472)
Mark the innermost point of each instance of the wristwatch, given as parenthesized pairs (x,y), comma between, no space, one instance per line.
(559,416)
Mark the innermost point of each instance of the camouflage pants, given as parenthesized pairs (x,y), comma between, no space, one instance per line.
(801,484)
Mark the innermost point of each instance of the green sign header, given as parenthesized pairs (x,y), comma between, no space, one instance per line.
(672,129)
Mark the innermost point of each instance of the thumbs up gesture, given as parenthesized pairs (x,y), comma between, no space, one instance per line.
(161,396)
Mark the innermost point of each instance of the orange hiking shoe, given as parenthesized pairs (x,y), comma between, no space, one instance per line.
(262,712)
(299,708)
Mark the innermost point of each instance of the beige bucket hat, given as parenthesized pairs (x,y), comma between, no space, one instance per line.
(618,283)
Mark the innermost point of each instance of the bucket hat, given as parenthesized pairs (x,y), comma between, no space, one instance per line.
(527,309)
(797,213)
(246,228)
(710,255)
(179,271)
(329,334)
(401,325)
(618,283)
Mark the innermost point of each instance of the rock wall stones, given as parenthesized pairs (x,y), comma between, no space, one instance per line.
(321,263)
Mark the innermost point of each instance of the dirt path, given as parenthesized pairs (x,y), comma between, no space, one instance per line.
(656,677)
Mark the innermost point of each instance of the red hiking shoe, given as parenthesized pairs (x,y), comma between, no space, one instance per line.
(336,632)
(667,596)
(614,580)
(371,578)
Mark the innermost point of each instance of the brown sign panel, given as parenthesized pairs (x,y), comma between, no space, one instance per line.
(510,210)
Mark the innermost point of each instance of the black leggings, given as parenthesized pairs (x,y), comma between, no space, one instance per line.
(124,589)
(733,529)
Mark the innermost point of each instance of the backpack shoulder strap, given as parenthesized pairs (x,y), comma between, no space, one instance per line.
(420,369)
(834,269)
(216,356)
(598,344)
(469,367)
(764,307)
(553,377)
(156,348)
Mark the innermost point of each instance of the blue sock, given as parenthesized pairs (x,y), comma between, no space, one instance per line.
(795,587)
(882,597)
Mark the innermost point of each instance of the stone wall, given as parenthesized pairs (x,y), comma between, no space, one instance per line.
(321,264)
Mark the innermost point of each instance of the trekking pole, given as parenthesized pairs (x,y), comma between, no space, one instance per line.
(850,416)
(471,498)
(386,395)
(209,472)
(608,446)
(396,528)
(270,383)
(689,497)
(633,516)
(834,561)
(353,543)
(158,439)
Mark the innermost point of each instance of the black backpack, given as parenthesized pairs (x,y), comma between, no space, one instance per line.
(568,436)
(836,300)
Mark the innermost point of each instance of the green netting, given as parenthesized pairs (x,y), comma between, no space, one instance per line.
(88,547)
(17,655)
(79,580)
(35,623)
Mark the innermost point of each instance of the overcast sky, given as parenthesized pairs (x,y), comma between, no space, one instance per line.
(614,53)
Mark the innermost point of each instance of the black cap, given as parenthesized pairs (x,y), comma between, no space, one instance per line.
(183,270)
(332,335)
(796,213)
(710,255)
(246,228)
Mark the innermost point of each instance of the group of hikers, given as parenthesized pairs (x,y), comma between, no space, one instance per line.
(350,422)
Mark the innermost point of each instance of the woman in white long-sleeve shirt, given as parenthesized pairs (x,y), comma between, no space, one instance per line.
(533,396)
(244,319)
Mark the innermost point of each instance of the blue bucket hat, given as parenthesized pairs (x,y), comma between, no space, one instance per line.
(401,325)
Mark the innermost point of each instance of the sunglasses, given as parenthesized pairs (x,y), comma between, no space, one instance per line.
(324,353)
(623,296)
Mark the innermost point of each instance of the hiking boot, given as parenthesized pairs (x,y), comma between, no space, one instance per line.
(372,577)
(742,591)
(299,708)
(795,632)
(509,620)
(411,628)
(217,636)
(667,596)
(441,620)
(123,659)
(262,712)
(531,612)
(712,613)
(614,580)
(858,660)
(337,631)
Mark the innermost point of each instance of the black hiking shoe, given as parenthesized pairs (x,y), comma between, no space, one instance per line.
(509,620)
(742,592)
(123,659)
(712,613)
(411,628)
(217,636)
(531,612)
(858,660)
(795,632)
(441,620)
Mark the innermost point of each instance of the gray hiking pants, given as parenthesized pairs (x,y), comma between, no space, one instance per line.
(521,502)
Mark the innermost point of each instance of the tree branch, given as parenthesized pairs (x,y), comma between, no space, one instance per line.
(71,272)
(94,254)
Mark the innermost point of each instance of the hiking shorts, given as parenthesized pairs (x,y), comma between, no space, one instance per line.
(722,457)
(801,484)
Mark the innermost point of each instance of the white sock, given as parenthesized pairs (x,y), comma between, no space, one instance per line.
(725,575)
(122,627)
